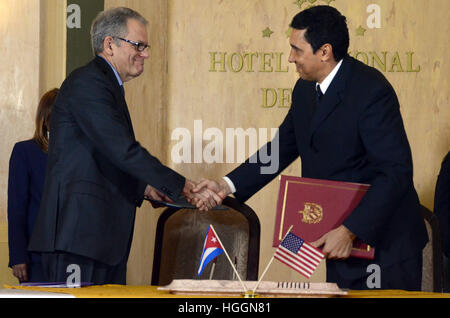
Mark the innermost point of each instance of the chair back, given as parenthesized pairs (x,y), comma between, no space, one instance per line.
(180,236)
(432,270)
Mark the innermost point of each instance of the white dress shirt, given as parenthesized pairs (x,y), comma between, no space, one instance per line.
(327,81)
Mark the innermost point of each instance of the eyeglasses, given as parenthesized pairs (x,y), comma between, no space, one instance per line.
(140,46)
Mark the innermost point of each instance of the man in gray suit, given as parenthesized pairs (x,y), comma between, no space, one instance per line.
(97,173)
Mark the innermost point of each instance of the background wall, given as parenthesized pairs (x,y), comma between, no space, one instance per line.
(19,84)
(33,53)
(224,62)
(53,49)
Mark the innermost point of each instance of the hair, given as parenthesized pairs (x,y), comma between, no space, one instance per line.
(43,118)
(112,22)
(324,24)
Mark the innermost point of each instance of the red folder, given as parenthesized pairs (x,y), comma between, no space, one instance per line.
(314,207)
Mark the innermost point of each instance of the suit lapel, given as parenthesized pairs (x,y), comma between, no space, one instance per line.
(332,97)
(127,115)
(106,69)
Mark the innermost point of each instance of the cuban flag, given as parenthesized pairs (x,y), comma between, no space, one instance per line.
(211,249)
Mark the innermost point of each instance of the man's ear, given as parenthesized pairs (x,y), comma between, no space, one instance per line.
(326,52)
(107,45)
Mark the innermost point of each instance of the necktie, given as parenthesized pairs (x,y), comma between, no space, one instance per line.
(319,93)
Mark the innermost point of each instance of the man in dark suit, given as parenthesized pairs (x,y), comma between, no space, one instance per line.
(97,173)
(345,124)
(442,202)
(442,211)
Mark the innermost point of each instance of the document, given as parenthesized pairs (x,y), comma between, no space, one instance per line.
(181,203)
(313,207)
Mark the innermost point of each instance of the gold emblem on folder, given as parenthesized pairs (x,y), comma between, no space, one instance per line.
(312,213)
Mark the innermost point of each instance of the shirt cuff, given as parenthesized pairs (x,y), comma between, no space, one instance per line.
(230,184)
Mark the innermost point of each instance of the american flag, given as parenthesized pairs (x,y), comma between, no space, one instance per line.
(299,255)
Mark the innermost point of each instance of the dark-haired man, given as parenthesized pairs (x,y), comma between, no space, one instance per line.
(345,124)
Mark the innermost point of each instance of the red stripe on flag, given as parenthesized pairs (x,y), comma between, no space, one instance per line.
(295,261)
(309,258)
(293,266)
(318,253)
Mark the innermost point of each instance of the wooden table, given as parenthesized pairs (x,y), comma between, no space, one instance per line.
(146,291)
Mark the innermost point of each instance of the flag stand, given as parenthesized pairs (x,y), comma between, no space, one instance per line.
(231,263)
(268,265)
(211,273)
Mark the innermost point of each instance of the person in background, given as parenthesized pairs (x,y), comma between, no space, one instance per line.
(442,202)
(442,210)
(25,183)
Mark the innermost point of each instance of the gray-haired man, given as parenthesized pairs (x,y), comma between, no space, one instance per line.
(97,173)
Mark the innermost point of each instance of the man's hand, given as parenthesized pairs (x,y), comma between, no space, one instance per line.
(337,244)
(220,187)
(210,193)
(187,190)
(152,193)
(20,271)
(204,200)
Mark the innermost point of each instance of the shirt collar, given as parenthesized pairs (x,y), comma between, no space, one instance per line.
(114,70)
(327,81)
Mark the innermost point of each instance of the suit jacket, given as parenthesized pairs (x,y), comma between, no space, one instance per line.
(356,134)
(96,170)
(25,184)
(442,202)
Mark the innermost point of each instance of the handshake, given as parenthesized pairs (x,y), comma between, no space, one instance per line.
(205,194)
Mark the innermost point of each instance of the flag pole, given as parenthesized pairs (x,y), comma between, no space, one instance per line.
(228,257)
(270,262)
(235,265)
(211,273)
